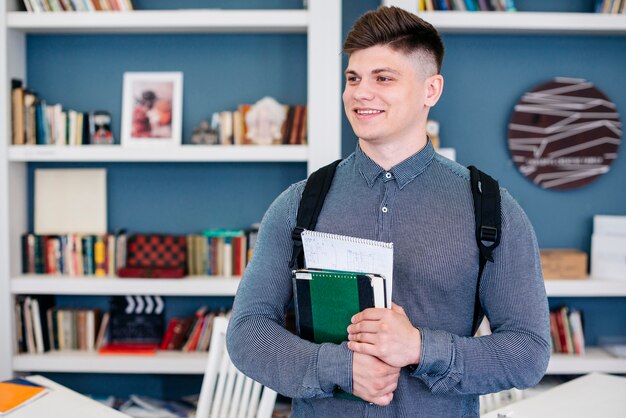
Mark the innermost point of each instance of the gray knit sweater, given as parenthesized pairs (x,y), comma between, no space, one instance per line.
(424,206)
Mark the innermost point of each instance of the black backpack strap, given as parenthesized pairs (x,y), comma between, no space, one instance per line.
(486,194)
(311,203)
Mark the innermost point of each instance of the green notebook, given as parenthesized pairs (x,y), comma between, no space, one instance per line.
(326,300)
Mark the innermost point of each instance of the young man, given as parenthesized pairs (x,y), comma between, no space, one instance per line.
(419,358)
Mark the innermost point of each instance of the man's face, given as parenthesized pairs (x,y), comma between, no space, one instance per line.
(385,95)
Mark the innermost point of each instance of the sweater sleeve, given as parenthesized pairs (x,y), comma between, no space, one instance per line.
(513,296)
(257,341)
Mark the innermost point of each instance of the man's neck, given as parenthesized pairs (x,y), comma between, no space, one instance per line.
(389,154)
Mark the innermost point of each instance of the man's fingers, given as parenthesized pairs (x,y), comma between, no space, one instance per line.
(363,338)
(369,314)
(362,348)
(397,308)
(383,400)
(363,327)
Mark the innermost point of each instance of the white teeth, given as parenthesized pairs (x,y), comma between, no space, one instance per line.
(368,112)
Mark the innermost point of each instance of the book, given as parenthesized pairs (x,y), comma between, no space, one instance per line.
(339,252)
(18,392)
(326,300)
(17,112)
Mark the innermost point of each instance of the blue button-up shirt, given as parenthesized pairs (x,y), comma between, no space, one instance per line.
(424,206)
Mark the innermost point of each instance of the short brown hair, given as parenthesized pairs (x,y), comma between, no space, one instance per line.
(398,29)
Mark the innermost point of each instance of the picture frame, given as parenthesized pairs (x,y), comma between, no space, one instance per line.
(152,109)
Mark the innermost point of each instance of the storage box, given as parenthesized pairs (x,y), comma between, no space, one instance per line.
(608,257)
(564,264)
(609,225)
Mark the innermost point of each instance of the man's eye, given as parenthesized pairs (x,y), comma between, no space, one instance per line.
(383,78)
(353,79)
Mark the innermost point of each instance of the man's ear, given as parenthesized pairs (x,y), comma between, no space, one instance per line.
(433,89)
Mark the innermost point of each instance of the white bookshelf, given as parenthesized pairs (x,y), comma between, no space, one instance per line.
(183,153)
(595,360)
(59,285)
(527,23)
(519,22)
(320,21)
(586,288)
(164,362)
(162,21)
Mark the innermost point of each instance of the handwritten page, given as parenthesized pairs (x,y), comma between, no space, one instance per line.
(339,252)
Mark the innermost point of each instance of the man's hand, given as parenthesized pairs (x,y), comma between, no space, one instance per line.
(387,334)
(373,380)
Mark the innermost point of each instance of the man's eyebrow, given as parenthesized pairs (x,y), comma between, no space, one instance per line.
(375,71)
(385,69)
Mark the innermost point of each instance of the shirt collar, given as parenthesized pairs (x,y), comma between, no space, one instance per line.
(404,172)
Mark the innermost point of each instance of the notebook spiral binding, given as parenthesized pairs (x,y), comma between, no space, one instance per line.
(346,238)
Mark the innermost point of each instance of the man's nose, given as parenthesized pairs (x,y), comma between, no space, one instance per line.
(363,91)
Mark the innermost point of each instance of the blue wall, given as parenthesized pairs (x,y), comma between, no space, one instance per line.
(485,76)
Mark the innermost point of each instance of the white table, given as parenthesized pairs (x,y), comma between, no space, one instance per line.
(593,395)
(61,402)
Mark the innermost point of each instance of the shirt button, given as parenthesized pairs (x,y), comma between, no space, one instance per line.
(388,175)
(384,209)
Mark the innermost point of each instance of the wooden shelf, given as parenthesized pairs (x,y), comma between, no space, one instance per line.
(183,153)
(165,362)
(60,285)
(586,288)
(595,360)
(162,21)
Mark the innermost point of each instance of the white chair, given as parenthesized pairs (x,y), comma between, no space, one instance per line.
(226,392)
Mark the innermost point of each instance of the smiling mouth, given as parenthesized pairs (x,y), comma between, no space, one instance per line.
(368,112)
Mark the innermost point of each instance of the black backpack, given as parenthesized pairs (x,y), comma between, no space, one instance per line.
(486,194)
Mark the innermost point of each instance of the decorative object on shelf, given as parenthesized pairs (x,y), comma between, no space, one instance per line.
(155,256)
(564,133)
(204,134)
(264,121)
(100,128)
(135,324)
(262,124)
(152,109)
(70,201)
(563,264)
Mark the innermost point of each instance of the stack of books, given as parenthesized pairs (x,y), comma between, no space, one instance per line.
(566,331)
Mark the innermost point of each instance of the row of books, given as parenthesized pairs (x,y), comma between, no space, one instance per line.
(215,252)
(566,331)
(467,5)
(231,128)
(73,255)
(611,6)
(35,122)
(601,6)
(192,333)
(78,5)
(41,326)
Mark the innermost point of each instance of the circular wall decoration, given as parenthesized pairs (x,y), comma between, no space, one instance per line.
(564,134)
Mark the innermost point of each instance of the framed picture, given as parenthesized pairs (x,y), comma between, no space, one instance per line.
(152,109)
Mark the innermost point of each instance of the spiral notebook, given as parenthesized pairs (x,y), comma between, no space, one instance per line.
(327,251)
